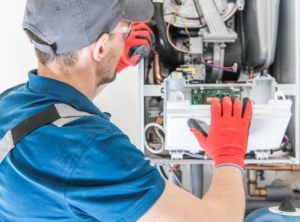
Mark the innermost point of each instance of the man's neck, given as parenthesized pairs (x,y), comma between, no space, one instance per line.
(81,79)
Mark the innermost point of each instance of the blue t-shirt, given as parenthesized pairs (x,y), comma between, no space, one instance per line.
(87,170)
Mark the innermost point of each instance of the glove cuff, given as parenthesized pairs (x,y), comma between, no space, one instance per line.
(229,164)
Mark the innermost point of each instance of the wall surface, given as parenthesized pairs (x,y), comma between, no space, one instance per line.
(17,58)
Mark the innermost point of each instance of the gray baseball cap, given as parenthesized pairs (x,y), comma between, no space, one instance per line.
(70,25)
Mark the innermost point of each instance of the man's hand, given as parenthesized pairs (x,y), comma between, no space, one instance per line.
(227,140)
(137,46)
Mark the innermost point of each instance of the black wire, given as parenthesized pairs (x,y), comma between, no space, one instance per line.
(241,26)
(163,172)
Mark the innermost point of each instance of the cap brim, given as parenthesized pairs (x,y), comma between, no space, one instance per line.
(137,10)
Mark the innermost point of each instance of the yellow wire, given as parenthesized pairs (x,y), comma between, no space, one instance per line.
(186,29)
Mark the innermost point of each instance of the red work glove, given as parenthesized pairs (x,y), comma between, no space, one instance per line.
(227,140)
(137,46)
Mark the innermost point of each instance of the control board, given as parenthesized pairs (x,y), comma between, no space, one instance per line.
(206,96)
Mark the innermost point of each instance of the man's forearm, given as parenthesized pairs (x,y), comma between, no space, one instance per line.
(227,193)
(225,201)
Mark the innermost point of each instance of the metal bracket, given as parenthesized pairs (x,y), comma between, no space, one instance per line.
(240,4)
(294,160)
(262,154)
(219,56)
(176,154)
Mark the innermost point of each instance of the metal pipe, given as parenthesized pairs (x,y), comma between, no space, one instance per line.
(285,168)
(157,74)
(253,190)
(251,72)
(196,180)
(275,192)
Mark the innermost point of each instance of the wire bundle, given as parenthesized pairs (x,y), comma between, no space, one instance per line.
(228,69)
(284,148)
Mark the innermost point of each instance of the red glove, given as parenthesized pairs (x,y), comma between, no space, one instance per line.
(137,46)
(227,140)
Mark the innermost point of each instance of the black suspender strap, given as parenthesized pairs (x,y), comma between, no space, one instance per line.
(12,137)
(58,114)
(34,122)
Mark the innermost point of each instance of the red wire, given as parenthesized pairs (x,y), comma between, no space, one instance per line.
(215,65)
(286,138)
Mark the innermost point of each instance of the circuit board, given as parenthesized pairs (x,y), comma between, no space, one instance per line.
(206,96)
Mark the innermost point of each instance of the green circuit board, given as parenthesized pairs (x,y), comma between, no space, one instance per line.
(205,96)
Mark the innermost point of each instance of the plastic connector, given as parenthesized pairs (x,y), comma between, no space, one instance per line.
(159,120)
(235,67)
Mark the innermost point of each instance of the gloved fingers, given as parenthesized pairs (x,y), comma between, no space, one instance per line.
(134,42)
(143,33)
(216,109)
(141,50)
(193,124)
(141,26)
(146,28)
(138,27)
(247,109)
(227,107)
(141,41)
(129,61)
(201,139)
(237,107)
(151,40)
(134,60)
(144,37)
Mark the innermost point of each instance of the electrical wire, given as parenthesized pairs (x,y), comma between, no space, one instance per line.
(175,176)
(285,145)
(162,171)
(159,136)
(231,13)
(185,27)
(168,34)
(146,143)
(197,156)
(229,69)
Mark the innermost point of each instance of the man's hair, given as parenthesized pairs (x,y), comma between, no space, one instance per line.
(65,60)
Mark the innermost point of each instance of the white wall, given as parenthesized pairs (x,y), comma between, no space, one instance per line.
(17,55)
(17,58)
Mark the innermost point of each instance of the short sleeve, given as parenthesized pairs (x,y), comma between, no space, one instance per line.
(112,181)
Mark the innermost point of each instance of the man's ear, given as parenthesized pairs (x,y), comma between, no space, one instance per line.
(100,47)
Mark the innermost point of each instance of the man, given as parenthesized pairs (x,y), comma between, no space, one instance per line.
(60,157)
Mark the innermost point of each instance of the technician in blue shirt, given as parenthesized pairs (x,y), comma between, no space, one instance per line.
(81,167)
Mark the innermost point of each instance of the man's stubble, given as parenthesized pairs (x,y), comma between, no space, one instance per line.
(109,72)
